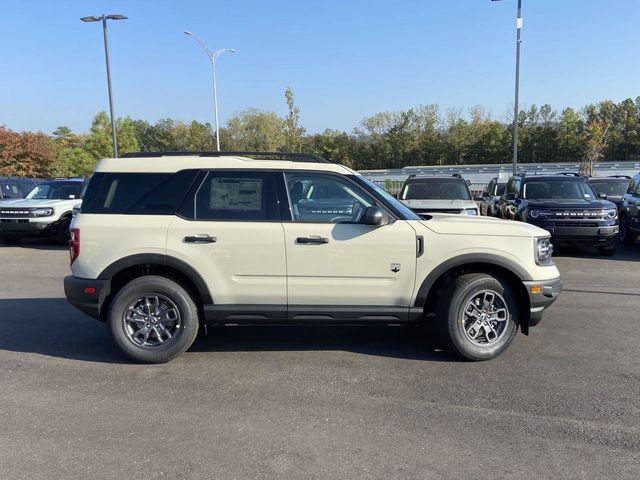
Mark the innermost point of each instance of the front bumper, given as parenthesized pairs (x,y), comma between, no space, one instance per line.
(541,295)
(87,295)
(575,234)
(24,227)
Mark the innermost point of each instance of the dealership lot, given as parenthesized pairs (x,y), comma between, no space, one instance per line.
(294,402)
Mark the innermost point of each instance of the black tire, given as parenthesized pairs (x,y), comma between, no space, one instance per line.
(451,309)
(62,235)
(10,239)
(626,235)
(154,285)
(607,251)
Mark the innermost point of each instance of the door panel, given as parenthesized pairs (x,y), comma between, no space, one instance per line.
(244,265)
(233,236)
(354,266)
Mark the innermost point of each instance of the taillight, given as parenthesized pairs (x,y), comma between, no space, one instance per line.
(74,244)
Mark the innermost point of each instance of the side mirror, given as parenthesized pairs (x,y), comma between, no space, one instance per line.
(71,197)
(375,216)
(602,196)
(478,198)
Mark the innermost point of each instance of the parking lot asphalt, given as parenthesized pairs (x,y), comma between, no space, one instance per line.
(310,402)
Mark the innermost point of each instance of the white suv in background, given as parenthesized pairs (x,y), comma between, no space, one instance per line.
(45,212)
(166,243)
(426,195)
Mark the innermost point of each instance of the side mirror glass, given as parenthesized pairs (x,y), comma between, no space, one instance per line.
(603,196)
(375,216)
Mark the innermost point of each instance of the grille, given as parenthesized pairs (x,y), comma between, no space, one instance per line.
(571,214)
(16,212)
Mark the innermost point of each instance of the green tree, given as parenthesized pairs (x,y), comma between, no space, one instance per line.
(255,130)
(294,133)
(98,143)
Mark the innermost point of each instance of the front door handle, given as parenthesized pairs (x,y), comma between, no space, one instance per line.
(200,239)
(306,240)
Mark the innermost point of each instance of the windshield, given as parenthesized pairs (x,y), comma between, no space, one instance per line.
(500,189)
(55,191)
(406,212)
(436,190)
(558,189)
(613,188)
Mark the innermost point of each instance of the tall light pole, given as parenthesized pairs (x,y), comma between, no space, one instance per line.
(104,19)
(213,56)
(516,109)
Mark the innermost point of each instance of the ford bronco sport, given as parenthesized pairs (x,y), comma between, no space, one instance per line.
(426,195)
(45,212)
(165,243)
(567,206)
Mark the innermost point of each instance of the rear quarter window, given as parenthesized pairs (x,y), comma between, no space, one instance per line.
(137,193)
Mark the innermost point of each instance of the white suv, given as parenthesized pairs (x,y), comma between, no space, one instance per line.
(166,243)
(427,195)
(45,212)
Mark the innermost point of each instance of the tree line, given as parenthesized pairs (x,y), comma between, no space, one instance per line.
(423,135)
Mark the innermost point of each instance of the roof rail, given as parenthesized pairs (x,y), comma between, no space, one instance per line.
(620,176)
(571,174)
(289,156)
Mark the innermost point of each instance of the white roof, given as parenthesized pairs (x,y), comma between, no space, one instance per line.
(174,163)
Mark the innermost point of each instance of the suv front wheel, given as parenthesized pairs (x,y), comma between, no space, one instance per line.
(153,319)
(478,317)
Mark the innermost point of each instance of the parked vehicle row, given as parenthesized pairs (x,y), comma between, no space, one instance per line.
(15,187)
(45,212)
(167,243)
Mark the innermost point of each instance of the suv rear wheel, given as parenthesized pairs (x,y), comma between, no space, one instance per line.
(153,319)
(478,318)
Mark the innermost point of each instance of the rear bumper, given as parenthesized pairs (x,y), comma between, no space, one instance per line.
(540,299)
(87,295)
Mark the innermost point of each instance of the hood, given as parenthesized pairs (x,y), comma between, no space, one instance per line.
(481,226)
(440,204)
(571,203)
(25,203)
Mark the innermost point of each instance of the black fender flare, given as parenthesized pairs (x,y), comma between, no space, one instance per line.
(159,259)
(465,259)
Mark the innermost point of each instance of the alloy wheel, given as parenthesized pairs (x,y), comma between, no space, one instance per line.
(484,318)
(152,321)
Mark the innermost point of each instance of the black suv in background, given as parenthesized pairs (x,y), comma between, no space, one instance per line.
(614,187)
(567,206)
(490,198)
(630,212)
(15,187)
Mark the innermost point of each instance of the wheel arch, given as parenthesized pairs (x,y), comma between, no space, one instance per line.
(441,276)
(120,272)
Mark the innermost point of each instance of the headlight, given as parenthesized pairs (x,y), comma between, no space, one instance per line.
(609,213)
(534,213)
(470,211)
(42,212)
(542,251)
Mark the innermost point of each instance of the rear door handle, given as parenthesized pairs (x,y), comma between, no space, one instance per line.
(200,239)
(307,240)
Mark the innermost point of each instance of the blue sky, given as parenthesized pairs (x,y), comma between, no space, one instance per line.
(344,59)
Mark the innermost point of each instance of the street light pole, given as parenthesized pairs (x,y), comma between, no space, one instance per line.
(213,56)
(103,18)
(516,109)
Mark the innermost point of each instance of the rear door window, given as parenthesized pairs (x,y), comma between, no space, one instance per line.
(248,196)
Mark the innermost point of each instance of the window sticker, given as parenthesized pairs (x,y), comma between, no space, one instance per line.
(244,194)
